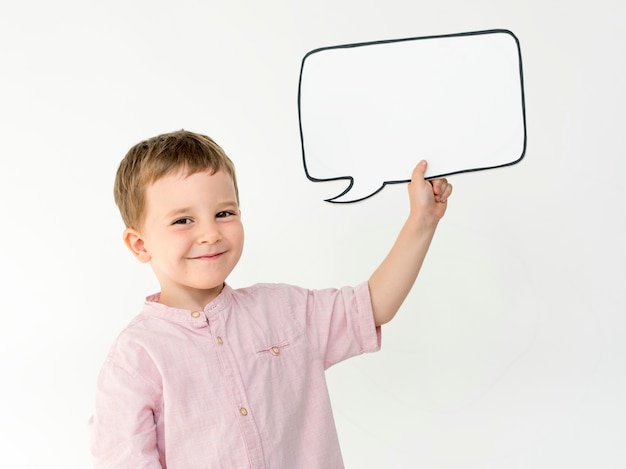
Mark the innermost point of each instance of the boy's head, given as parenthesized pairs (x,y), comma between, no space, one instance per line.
(150,160)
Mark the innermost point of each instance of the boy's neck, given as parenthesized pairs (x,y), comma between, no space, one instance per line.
(193,301)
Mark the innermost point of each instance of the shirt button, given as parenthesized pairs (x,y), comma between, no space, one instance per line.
(275,350)
(243,411)
(219,340)
(196,314)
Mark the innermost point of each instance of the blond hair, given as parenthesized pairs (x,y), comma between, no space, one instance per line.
(152,159)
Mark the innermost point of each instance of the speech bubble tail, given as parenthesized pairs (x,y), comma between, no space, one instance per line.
(355,193)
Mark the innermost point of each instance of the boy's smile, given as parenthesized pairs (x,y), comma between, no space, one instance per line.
(192,236)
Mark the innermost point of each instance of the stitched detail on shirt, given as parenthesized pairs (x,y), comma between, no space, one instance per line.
(271,349)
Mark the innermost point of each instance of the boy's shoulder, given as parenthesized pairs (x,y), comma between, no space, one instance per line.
(260,290)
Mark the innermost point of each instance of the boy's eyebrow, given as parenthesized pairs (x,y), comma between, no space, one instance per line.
(229,202)
(185,210)
(177,211)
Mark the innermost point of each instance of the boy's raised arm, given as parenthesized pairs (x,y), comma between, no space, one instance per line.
(392,280)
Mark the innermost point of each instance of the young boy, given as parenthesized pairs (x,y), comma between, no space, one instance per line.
(207,376)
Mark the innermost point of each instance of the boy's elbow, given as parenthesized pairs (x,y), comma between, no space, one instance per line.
(383,317)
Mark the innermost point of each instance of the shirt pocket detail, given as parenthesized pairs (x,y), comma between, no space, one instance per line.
(273,350)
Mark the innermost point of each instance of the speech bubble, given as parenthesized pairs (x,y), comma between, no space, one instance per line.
(369,112)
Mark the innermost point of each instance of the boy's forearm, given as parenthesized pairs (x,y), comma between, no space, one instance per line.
(393,279)
(391,282)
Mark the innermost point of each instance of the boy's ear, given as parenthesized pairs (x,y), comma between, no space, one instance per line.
(134,242)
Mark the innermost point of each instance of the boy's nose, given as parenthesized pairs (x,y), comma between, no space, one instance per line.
(209,234)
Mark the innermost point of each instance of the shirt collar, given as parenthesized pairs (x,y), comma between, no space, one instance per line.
(187,317)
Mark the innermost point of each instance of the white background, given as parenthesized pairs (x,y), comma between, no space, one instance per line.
(509,352)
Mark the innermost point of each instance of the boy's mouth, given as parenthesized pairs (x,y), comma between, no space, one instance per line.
(208,257)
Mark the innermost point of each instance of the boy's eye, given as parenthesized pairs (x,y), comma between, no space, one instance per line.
(182,221)
(224,214)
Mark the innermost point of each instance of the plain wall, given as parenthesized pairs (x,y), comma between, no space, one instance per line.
(508,353)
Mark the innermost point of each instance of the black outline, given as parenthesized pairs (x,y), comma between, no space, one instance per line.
(387,41)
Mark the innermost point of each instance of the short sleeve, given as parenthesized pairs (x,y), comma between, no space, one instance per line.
(339,322)
(122,429)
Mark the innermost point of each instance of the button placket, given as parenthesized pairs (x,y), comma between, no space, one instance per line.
(236,389)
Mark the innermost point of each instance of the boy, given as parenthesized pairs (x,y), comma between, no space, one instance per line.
(213,377)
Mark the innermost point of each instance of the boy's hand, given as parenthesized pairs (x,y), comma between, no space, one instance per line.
(429,199)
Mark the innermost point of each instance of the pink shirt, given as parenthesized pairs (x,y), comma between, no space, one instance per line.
(238,385)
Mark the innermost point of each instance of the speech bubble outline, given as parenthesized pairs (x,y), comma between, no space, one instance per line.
(373,105)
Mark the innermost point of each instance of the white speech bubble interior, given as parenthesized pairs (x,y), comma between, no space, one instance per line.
(369,112)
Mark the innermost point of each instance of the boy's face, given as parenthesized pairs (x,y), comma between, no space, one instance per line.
(192,236)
